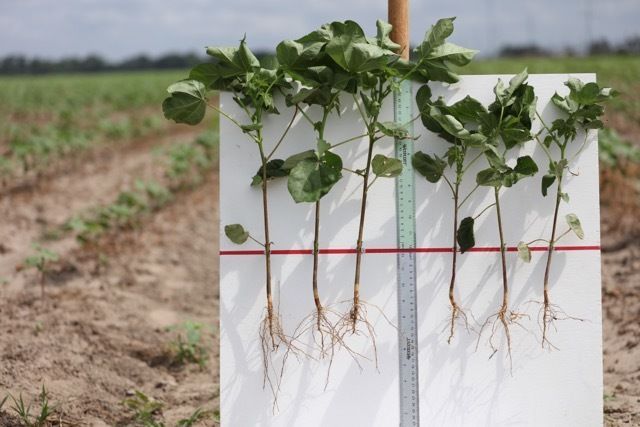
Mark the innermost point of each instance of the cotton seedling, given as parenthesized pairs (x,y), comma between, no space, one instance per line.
(313,173)
(457,124)
(40,260)
(583,111)
(506,125)
(253,85)
(375,70)
(188,346)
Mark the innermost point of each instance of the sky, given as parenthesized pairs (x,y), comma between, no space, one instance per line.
(117,29)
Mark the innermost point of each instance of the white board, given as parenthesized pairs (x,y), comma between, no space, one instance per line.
(459,385)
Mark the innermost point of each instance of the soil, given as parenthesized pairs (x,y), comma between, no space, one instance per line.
(101,332)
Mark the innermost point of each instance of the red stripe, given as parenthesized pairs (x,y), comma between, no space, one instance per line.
(348,251)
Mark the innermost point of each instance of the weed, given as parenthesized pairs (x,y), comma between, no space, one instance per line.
(188,346)
(40,260)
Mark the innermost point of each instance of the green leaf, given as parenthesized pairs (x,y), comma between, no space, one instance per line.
(564,104)
(467,109)
(187,102)
(350,49)
(489,178)
(524,252)
(525,166)
(464,235)
(505,94)
(322,147)
(452,53)
(423,98)
(234,60)
(274,170)
(383,39)
(436,36)
(310,180)
(449,124)
(298,55)
(431,168)
(392,129)
(564,197)
(236,233)
(574,224)
(293,160)
(514,132)
(547,181)
(386,167)
(205,73)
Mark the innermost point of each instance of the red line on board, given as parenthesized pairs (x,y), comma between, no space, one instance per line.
(347,251)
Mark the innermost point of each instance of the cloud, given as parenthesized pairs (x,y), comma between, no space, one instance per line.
(120,28)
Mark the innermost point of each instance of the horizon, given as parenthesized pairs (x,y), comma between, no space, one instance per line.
(118,29)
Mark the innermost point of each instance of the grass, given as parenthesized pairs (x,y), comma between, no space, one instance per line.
(117,91)
(147,412)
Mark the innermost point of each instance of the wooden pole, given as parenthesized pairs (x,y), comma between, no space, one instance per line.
(399,18)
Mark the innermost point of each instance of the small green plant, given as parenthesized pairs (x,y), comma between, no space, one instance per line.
(188,346)
(198,415)
(147,412)
(583,111)
(313,173)
(457,124)
(253,85)
(506,125)
(40,260)
(24,411)
(145,408)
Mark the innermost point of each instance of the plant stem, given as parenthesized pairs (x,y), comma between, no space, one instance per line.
(363,210)
(316,233)
(316,250)
(503,253)
(550,250)
(452,283)
(284,134)
(267,242)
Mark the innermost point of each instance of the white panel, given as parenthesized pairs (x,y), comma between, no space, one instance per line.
(459,385)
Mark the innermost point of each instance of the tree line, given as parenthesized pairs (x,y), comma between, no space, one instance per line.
(21,64)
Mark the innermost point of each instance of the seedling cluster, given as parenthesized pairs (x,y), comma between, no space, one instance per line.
(315,74)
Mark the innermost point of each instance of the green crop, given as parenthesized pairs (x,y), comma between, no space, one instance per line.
(335,59)
(582,111)
(253,85)
(188,347)
(457,124)
(506,125)
(40,260)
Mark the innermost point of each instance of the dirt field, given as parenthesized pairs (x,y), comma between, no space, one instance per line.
(101,332)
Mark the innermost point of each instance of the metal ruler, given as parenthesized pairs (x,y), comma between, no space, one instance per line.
(407,293)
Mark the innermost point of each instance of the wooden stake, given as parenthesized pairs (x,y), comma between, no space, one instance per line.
(399,18)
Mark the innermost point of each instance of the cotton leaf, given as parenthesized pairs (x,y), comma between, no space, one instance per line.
(236,233)
(574,224)
(186,103)
(311,179)
(464,235)
(386,167)
(524,252)
(431,168)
